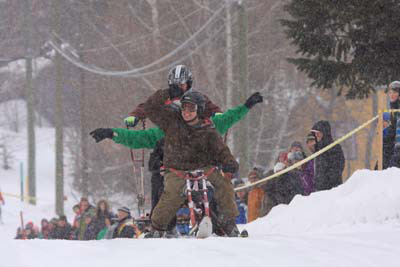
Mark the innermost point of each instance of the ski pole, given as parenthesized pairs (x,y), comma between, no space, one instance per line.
(134,171)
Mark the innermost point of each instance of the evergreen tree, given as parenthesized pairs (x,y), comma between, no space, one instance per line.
(349,44)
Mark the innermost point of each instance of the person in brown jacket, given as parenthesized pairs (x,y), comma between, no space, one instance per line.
(191,143)
(180,80)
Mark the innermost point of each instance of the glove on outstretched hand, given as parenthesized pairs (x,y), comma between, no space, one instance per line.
(102,133)
(131,121)
(174,91)
(229,168)
(253,99)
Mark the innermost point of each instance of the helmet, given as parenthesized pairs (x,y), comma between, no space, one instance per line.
(196,98)
(180,75)
(395,86)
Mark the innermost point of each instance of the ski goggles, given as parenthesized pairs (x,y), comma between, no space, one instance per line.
(190,107)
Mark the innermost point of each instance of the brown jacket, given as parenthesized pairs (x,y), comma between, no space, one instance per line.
(186,147)
(210,109)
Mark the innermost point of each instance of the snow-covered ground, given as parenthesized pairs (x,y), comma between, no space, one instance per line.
(356,224)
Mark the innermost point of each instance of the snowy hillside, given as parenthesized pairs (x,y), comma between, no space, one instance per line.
(356,224)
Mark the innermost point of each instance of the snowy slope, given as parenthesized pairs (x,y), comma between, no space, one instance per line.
(356,224)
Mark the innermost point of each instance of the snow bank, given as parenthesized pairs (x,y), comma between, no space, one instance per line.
(368,197)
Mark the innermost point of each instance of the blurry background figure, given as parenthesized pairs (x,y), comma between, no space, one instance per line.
(241,202)
(125,226)
(255,196)
(282,162)
(63,229)
(30,231)
(311,140)
(103,216)
(183,220)
(91,229)
(2,203)
(44,229)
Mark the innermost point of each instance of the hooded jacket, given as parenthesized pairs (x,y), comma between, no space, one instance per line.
(329,166)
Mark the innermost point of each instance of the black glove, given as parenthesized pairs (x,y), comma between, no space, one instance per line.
(231,168)
(101,133)
(253,99)
(174,91)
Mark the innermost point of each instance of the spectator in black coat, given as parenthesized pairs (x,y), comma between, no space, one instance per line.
(126,227)
(329,165)
(63,229)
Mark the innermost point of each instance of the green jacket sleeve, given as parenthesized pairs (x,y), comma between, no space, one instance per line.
(227,119)
(136,139)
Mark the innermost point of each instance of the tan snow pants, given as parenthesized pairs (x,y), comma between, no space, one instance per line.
(172,198)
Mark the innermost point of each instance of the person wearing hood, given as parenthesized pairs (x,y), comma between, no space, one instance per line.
(329,165)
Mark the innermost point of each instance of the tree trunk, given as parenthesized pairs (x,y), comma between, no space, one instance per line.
(242,135)
(29,103)
(59,118)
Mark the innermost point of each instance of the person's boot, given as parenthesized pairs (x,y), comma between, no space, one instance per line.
(153,233)
(231,229)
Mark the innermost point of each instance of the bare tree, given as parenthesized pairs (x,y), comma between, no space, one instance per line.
(5,153)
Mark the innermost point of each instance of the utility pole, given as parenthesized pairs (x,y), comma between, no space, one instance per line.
(30,118)
(229,66)
(84,134)
(59,116)
(242,137)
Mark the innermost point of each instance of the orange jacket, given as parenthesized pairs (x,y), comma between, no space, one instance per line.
(254,201)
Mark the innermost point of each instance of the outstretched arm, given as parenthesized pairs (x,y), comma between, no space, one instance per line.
(229,118)
(137,139)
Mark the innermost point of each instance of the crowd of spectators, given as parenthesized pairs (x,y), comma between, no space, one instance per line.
(321,173)
(89,223)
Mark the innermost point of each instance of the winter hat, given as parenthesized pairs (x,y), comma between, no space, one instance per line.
(296,144)
(311,136)
(125,209)
(295,156)
(62,218)
(386,116)
(395,86)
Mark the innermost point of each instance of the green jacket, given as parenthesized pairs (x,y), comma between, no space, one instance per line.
(137,139)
